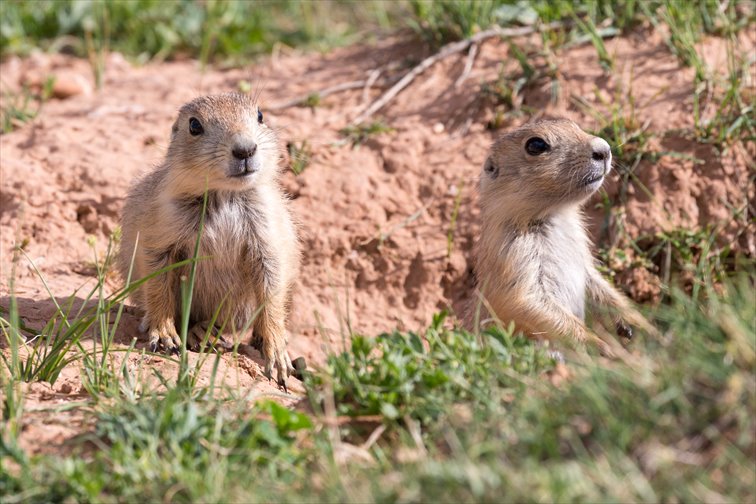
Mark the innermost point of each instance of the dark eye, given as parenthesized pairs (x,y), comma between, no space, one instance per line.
(259,116)
(535,146)
(195,127)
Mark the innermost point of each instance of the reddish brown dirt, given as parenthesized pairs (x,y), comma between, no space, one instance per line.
(374,217)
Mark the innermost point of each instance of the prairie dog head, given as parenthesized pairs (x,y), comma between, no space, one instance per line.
(221,142)
(541,167)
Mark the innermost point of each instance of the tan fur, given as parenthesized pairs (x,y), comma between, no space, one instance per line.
(249,244)
(534,263)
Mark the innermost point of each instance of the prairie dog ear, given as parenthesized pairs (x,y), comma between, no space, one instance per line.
(490,169)
(174,129)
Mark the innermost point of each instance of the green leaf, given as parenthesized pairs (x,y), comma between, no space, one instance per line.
(389,411)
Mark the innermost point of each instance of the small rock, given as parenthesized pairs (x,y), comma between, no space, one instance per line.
(300,366)
(456,263)
(116,60)
(438,128)
(68,85)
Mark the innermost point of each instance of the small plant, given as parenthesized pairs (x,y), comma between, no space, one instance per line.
(46,354)
(686,23)
(358,134)
(100,374)
(23,106)
(400,375)
(507,94)
(97,38)
(58,343)
(596,38)
(300,154)
(13,400)
(690,259)
(312,101)
(443,22)
(732,100)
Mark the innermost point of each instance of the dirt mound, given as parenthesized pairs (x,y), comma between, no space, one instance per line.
(388,224)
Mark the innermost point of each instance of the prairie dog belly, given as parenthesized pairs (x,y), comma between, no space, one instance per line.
(224,275)
(221,287)
(566,253)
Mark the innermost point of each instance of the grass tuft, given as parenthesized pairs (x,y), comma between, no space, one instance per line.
(360,133)
(300,154)
(398,375)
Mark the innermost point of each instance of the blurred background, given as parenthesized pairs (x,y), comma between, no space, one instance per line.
(232,31)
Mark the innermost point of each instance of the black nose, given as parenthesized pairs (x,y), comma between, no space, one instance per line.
(601,152)
(244,151)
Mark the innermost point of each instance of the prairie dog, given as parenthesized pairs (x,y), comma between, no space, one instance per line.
(248,248)
(534,262)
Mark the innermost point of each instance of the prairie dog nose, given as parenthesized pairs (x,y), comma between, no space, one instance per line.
(601,150)
(244,150)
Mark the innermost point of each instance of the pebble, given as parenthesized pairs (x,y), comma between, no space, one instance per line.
(67,85)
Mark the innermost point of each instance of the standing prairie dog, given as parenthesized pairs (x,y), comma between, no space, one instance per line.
(249,252)
(534,263)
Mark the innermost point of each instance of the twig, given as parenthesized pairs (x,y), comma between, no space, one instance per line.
(345,86)
(338,421)
(446,51)
(374,74)
(373,437)
(343,420)
(468,65)
(464,129)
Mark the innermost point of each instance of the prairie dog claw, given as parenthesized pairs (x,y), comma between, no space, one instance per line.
(164,337)
(624,330)
(198,335)
(278,358)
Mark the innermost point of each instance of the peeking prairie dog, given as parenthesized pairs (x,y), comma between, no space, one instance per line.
(534,263)
(248,249)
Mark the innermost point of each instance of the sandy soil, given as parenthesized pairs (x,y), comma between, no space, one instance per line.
(374,217)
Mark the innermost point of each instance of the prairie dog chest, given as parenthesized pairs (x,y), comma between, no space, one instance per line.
(230,234)
(235,230)
(564,256)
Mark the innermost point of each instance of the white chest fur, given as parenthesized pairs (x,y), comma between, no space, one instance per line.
(565,253)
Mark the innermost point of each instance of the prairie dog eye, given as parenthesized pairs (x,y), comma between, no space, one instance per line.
(259,116)
(536,146)
(490,168)
(195,127)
